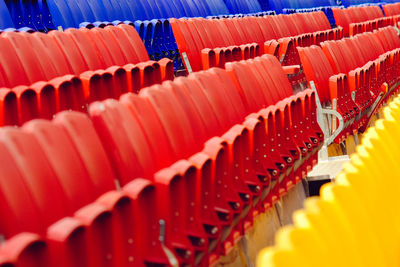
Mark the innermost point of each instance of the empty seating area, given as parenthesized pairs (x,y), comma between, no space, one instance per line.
(189,152)
(349,219)
(170,133)
(43,74)
(356,20)
(354,75)
(202,47)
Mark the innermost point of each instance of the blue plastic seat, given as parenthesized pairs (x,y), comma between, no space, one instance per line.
(155,9)
(179,8)
(5,17)
(124,10)
(16,12)
(217,7)
(80,10)
(98,9)
(203,8)
(61,14)
(45,17)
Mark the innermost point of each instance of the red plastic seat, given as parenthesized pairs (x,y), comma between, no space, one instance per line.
(9,108)
(132,156)
(71,52)
(12,71)
(90,53)
(29,60)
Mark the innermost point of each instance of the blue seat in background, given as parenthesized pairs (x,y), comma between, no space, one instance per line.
(255,7)
(264,5)
(203,8)
(178,7)
(5,17)
(191,9)
(217,7)
(278,5)
(98,9)
(16,12)
(125,9)
(46,17)
(112,9)
(158,41)
(61,14)
(147,38)
(167,9)
(81,11)
(154,7)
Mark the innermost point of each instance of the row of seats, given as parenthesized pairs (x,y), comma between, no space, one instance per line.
(178,172)
(194,35)
(219,56)
(344,17)
(356,217)
(391,9)
(370,25)
(74,92)
(29,58)
(352,73)
(42,74)
(280,5)
(243,6)
(326,9)
(72,14)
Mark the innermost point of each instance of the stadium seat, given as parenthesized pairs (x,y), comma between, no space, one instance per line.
(350,199)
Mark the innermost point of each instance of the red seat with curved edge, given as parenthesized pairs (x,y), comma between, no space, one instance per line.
(280,23)
(135,41)
(245,81)
(11,69)
(25,249)
(46,99)
(128,149)
(124,43)
(273,71)
(172,204)
(217,100)
(69,93)
(189,108)
(174,120)
(88,145)
(202,33)
(237,33)
(317,68)
(71,52)
(17,205)
(75,182)
(8,107)
(187,43)
(146,115)
(29,60)
(27,103)
(334,54)
(90,53)
(110,43)
(197,96)
(146,227)
(60,63)
(268,84)
(97,85)
(38,177)
(45,56)
(103,48)
(64,160)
